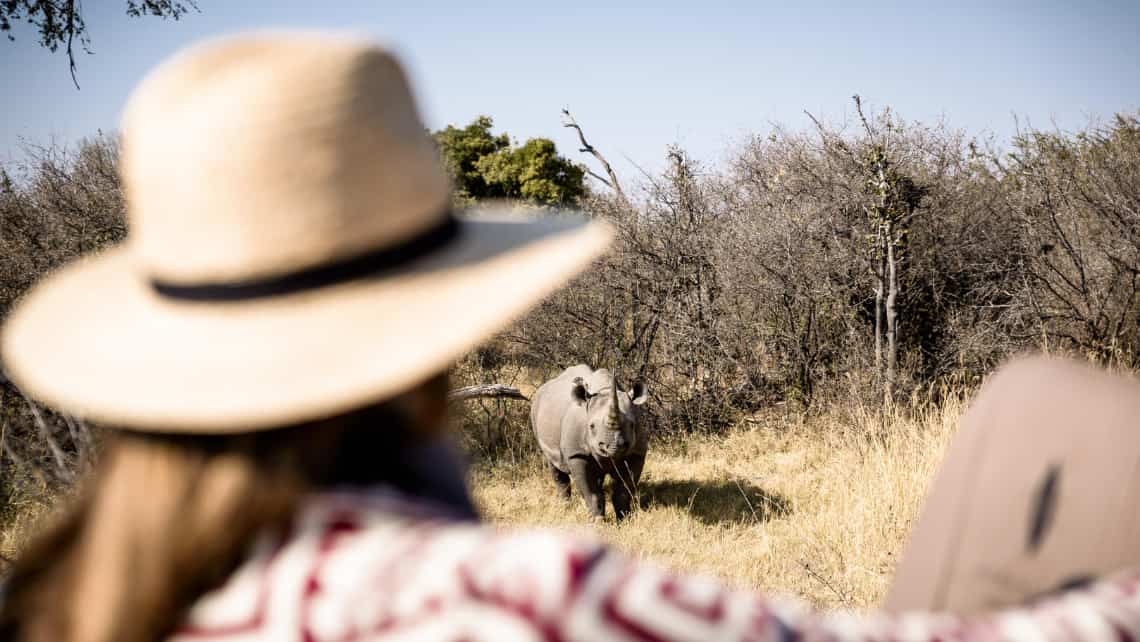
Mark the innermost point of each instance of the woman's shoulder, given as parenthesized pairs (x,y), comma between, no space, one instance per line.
(372,564)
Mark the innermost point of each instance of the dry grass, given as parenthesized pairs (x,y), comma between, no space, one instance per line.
(818,508)
(22,516)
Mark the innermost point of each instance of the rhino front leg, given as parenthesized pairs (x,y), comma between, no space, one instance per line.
(625,483)
(587,477)
(562,480)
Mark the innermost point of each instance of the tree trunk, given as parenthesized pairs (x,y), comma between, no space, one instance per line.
(807,389)
(880,290)
(891,314)
(879,272)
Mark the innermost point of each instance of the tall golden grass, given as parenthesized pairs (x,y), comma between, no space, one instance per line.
(815,507)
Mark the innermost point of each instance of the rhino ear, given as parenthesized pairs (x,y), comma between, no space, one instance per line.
(639,393)
(578,391)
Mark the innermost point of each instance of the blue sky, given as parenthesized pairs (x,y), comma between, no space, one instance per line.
(703,73)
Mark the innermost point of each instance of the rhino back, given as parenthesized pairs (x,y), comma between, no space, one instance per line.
(551,407)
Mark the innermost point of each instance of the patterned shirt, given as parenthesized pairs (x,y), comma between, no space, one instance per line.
(379,566)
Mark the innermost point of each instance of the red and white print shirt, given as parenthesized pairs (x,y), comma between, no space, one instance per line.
(364,567)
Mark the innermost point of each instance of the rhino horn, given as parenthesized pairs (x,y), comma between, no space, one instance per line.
(614,417)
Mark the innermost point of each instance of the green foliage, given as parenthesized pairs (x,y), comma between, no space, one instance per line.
(463,148)
(484,165)
(533,172)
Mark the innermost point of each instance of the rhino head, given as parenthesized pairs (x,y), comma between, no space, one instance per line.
(611,416)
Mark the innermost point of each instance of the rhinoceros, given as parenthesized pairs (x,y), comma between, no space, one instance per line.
(587,428)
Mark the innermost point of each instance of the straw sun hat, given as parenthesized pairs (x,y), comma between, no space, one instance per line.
(291,252)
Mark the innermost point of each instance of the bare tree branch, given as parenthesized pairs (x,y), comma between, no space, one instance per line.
(613,183)
(598,178)
(485,391)
(862,118)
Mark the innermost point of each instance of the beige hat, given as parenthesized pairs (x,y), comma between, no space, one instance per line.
(1039,491)
(291,251)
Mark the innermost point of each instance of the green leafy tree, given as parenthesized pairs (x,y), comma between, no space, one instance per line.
(533,172)
(484,165)
(461,150)
(61,23)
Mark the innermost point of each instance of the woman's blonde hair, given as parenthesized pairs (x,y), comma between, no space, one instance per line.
(165,518)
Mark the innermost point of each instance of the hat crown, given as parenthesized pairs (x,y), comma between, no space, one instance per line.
(264,155)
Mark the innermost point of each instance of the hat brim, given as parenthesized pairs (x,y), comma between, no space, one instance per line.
(97,341)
